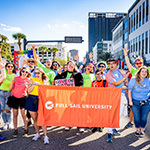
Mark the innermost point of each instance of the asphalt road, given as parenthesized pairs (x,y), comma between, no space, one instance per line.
(73,140)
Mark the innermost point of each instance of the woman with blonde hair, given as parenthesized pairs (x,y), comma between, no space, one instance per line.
(138,93)
(32,101)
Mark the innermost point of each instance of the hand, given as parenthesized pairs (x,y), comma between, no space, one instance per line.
(59,71)
(76,57)
(2,64)
(33,46)
(130,103)
(36,83)
(91,55)
(24,61)
(84,61)
(126,76)
(124,87)
(125,50)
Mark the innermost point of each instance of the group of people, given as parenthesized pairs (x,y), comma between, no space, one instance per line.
(20,90)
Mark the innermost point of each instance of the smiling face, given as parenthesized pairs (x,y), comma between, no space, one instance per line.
(102,67)
(55,66)
(10,67)
(143,73)
(99,75)
(70,66)
(138,64)
(31,63)
(24,73)
(38,74)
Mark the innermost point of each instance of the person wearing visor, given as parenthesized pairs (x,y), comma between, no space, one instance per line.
(138,64)
(102,65)
(116,78)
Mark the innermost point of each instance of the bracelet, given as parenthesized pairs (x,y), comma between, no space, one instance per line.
(125,55)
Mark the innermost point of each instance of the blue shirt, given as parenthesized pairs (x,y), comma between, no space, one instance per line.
(32,71)
(139,92)
(118,76)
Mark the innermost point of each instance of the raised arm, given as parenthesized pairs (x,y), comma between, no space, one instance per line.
(127,58)
(84,61)
(2,65)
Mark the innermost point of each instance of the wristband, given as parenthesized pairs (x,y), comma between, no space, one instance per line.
(125,55)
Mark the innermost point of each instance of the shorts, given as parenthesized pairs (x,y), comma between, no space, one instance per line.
(32,103)
(16,103)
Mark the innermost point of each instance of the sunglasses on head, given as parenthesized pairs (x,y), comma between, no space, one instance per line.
(37,73)
(23,71)
(30,61)
(10,66)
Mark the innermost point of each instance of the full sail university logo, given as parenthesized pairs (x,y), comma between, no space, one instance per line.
(49,105)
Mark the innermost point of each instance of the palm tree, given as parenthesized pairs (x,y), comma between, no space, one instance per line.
(54,50)
(19,37)
(3,38)
(43,49)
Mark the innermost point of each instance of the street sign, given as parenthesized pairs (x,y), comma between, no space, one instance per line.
(73,39)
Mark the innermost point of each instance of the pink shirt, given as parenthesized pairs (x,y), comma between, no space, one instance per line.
(20,90)
(110,77)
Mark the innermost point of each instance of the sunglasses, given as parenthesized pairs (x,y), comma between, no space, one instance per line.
(30,61)
(37,73)
(23,71)
(10,66)
(138,63)
(99,73)
(55,64)
(101,66)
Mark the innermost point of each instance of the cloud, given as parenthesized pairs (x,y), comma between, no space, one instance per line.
(3,25)
(65,25)
(10,28)
(53,26)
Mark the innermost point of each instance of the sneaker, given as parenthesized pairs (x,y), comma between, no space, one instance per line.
(142,134)
(46,140)
(129,125)
(116,132)
(109,137)
(100,129)
(10,126)
(67,128)
(25,133)
(137,133)
(15,133)
(2,137)
(29,123)
(94,130)
(36,137)
(5,127)
(81,130)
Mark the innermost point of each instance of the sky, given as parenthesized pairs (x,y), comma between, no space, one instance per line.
(54,19)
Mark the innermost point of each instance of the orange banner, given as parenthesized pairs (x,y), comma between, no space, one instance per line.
(79,106)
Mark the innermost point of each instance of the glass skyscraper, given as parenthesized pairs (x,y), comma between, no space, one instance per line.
(101,25)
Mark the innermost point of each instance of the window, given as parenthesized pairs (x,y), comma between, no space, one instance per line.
(149,41)
(126,25)
(59,54)
(125,35)
(146,42)
(134,21)
(142,44)
(131,23)
(143,16)
(136,44)
(147,9)
(133,45)
(139,16)
(139,44)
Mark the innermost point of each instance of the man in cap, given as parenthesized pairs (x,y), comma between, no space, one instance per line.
(116,78)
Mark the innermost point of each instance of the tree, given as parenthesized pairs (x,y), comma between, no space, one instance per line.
(43,49)
(19,37)
(5,48)
(105,56)
(62,62)
(54,50)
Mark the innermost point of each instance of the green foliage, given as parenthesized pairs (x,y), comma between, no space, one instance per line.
(19,37)
(61,61)
(105,56)
(43,49)
(68,59)
(54,50)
